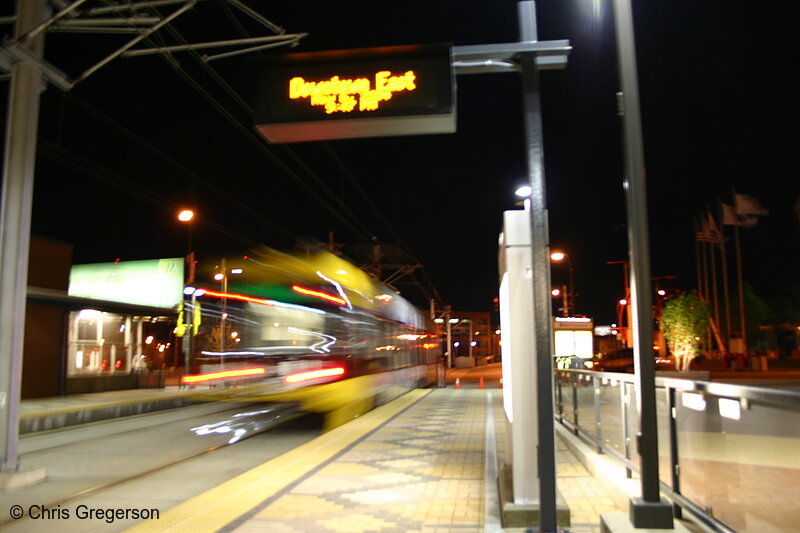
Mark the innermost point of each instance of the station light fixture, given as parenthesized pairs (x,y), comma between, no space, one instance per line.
(523,191)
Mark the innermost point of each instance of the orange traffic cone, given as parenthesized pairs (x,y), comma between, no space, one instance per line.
(501,383)
(458,383)
(480,385)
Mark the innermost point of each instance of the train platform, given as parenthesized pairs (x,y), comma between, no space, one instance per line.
(425,462)
(418,463)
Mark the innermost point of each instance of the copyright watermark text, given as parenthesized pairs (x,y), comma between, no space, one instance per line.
(83,512)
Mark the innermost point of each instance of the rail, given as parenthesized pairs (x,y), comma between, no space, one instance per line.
(729,455)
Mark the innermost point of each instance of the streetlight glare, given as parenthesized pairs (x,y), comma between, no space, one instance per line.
(523,191)
(186,215)
(558,256)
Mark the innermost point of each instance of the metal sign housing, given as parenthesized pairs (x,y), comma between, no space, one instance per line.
(371,92)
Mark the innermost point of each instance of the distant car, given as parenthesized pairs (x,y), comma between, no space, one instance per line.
(622,361)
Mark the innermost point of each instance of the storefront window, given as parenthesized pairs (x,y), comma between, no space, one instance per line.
(102,343)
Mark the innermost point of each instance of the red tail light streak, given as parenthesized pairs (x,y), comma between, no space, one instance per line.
(199,378)
(318,294)
(241,297)
(314,374)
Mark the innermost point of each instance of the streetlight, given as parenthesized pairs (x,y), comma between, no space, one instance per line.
(186,216)
(523,192)
(222,277)
(569,298)
(648,511)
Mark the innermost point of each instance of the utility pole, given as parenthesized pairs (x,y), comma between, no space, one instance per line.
(15,223)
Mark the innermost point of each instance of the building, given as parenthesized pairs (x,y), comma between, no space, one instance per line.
(76,343)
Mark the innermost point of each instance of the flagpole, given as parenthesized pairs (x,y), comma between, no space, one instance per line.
(739,276)
(725,289)
(699,256)
(706,282)
(697,248)
(712,252)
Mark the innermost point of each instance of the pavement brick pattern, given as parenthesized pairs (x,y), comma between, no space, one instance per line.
(421,471)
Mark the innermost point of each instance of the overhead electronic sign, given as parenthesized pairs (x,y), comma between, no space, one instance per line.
(341,94)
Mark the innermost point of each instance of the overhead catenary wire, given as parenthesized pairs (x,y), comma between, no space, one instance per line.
(319,191)
(339,163)
(226,87)
(193,176)
(406,249)
(89,168)
(249,134)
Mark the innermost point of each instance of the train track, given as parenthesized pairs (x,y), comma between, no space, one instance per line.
(87,461)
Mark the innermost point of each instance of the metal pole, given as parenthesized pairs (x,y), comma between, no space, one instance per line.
(15,226)
(649,510)
(725,290)
(571,307)
(471,360)
(742,318)
(541,272)
(449,338)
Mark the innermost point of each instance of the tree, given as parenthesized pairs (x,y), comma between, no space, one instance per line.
(684,321)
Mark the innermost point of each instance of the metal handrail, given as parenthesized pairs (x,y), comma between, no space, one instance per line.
(747,395)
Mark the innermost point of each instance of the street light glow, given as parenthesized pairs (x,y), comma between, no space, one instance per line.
(523,191)
(186,215)
(558,256)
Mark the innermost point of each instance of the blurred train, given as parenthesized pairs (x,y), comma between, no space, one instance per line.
(311,328)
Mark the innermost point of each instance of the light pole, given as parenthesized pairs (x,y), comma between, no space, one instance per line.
(569,299)
(222,277)
(450,323)
(186,216)
(562,293)
(444,318)
(649,510)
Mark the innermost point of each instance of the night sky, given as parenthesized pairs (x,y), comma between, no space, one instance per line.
(144,136)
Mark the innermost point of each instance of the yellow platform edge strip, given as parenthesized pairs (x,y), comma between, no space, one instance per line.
(217,507)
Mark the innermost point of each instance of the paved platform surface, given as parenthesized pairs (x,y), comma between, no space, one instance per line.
(415,464)
(418,463)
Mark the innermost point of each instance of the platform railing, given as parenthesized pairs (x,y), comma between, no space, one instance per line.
(729,455)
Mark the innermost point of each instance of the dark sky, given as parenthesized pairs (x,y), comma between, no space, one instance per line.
(143,136)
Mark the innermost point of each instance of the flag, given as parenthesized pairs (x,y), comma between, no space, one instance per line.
(748,205)
(708,231)
(713,230)
(732,217)
(729,216)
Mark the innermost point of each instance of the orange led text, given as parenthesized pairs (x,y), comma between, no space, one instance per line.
(338,95)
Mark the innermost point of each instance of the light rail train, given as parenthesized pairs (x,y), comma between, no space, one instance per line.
(312,329)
